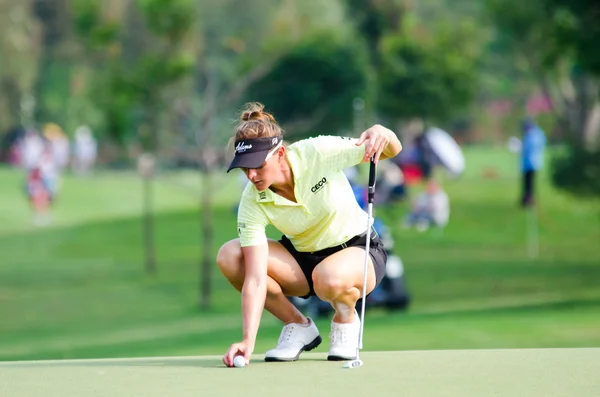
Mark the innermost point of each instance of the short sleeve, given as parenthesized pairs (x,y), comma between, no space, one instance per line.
(252,222)
(338,152)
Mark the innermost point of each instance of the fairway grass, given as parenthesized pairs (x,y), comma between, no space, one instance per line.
(78,289)
(104,196)
(572,324)
(460,373)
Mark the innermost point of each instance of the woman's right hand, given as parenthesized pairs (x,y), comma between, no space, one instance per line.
(238,349)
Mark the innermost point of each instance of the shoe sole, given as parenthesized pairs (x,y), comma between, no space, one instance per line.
(316,342)
(340,358)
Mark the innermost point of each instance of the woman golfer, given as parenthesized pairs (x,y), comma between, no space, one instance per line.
(301,190)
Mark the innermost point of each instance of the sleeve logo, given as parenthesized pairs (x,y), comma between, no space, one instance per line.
(240,225)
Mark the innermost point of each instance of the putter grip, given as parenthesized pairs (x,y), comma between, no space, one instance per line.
(372,179)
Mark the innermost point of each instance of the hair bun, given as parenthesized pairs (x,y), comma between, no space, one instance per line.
(254,111)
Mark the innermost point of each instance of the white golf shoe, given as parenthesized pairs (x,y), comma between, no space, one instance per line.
(294,339)
(344,340)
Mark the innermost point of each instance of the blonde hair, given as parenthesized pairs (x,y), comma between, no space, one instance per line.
(256,123)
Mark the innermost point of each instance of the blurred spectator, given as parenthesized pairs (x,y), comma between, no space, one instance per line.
(390,185)
(49,170)
(59,143)
(426,157)
(85,150)
(31,149)
(39,196)
(36,156)
(532,158)
(416,160)
(10,145)
(431,208)
(42,184)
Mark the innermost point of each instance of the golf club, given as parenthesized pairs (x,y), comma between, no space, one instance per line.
(357,362)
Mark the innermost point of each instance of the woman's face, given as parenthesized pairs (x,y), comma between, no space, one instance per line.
(264,176)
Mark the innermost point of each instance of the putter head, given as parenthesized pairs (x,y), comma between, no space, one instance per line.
(353,364)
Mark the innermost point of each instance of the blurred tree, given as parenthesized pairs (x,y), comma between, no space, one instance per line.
(415,50)
(140,58)
(557,40)
(52,85)
(20,50)
(578,29)
(375,19)
(313,86)
(535,36)
(577,169)
(137,57)
(498,79)
(237,49)
(428,73)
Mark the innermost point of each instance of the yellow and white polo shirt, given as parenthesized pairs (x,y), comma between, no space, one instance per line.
(326,213)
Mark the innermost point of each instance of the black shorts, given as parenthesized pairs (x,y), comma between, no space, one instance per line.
(309,260)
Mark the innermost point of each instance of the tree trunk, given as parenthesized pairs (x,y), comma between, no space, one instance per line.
(589,103)
(592,132)
(207,237)
(150,258)
(575,105)
(53,16)
(203,137)
(9,89)
(147,166)
(208,81)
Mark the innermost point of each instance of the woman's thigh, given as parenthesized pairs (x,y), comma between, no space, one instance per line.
(282,267)
(346,267)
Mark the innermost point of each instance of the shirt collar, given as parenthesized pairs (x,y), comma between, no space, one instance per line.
(268,196)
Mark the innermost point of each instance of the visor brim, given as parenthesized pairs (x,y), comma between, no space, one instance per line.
(249,160)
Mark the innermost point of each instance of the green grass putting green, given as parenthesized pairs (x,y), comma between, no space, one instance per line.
(460,373)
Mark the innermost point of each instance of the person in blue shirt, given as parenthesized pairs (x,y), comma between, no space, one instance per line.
(532,158)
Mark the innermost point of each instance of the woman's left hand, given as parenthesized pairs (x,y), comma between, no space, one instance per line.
(376,139)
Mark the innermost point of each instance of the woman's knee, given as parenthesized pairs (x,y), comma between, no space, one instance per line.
(229,258)
(328,284)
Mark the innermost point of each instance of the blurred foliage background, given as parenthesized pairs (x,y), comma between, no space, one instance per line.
(164,74)
(136,71)
(168,77)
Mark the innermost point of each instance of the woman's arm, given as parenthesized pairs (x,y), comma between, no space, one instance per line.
(380,142)
(254,290)
(393,146)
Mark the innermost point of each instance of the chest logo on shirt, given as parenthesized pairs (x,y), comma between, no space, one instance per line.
(318,185)
(262,195)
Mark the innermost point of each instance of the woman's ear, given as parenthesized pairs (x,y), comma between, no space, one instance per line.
(281,154)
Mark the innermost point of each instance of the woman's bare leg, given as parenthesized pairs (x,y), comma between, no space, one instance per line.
(338,279)
(284,277)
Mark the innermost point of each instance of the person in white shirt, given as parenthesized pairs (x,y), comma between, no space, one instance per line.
(32,147)
(85,150)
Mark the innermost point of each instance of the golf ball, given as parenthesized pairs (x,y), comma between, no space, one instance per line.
(239,362)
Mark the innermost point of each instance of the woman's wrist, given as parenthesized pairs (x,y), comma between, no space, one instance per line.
(249,342)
